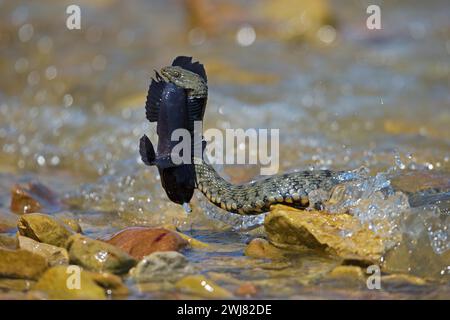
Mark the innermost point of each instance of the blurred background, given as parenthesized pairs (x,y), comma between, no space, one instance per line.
(343,97)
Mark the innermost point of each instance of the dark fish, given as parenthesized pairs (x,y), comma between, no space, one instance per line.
(166,104)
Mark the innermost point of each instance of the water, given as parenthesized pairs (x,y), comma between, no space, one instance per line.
(71,114)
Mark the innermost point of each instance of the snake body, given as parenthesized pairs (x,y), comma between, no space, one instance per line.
(176,100)
(292,189)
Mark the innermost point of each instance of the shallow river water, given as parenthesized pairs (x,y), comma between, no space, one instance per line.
(345,97)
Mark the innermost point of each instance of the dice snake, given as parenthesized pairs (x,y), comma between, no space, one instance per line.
(292,189)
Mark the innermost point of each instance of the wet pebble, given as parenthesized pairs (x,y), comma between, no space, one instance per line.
(246,289)
(400,280)
(142,241)
(22,201)
(262,249)
(72,224)
(339,234)
(16,284)
(99,256)
(32,197)
(21,264)
(44,228)
(161,266)
(347,272)
(203,287)
(54,255)
(72,282)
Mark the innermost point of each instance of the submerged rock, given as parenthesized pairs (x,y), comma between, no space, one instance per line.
(203,287)
(261,248)
(98,256)
(247,289)
(223,278)
(339,234)
(44,228)
(32,197)
(54,255)
(142,241)
(22,201)
(396,281)
(347,272)
(193,243)
(21,264)
(161,266)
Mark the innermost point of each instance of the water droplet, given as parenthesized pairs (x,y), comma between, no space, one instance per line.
(21,65)
(26,32)
(51,72)
(246,35)
(196,36)
(187,207)
(33,78)
(327,34)
(398,162)
(67,100)
(40,160)
(54,160)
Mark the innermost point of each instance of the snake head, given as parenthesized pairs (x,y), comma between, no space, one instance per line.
(185,79)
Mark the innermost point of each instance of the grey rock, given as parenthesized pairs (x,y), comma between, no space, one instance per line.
(160,266)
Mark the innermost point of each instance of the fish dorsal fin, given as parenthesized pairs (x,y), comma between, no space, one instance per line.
(154,97)
(186,63)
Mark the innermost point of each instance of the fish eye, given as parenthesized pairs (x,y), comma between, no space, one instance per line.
(176,74)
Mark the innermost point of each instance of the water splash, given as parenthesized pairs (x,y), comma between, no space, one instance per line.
(373,201)
(392,214)
(236,221)
(187,208)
